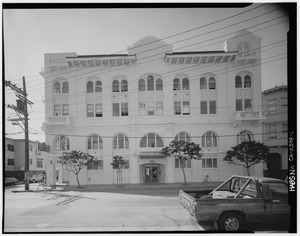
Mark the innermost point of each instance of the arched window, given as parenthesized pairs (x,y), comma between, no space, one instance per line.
(185,84)
(150,83)
(65,87)
(183,136)
(121,141)
(90,87)
(247,81)
(243,136)
(151,140)
(203,83)
(98,87)
(212,83)
(62,143)
(176,84)
(209,139)
(159,85)
(95,142)
(246,51)
(116,86)
(56,88)
(124,86)
(142,86)
(238,81)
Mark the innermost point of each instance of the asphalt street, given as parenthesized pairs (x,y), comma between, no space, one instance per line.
(112,210)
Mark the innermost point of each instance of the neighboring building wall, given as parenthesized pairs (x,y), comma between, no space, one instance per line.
(9,154)
(118,103)
(275,129)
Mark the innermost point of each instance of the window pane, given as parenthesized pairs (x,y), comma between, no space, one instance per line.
(124,86)
(203,107)
(238,81)
(247,81)
(121,141)
(89,87)
(159,108)
(186,108)
(150,108)
(151,140)
(239,105)
(212,83)
(177,163)
(56,88)
(57,111)
(90,110)
(98,87)
(95,142)
(90,143)
(98,108)
(272,106)
(212,107)
(203,85)
(159,85)
(203,163)
(189,163)
(177,108)
(116,86)
(159,142)
(185,84)
(124,109)
(126,142)
(209,163)
(143,141)
(142,108)
(248,104)
(142,85)
(284,104)
(115,142)
(273,131)
(116,109)
(65,111)
(65,87)
(150,83)
(176,84)
(215,163)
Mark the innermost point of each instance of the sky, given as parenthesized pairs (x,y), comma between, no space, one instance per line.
(30,33)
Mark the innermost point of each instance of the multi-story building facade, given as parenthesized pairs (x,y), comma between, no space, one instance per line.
(15,158)
(134,104)
(275,130)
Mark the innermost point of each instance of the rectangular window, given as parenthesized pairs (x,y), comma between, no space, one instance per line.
(124,107)
(57,111)
(212,107)
(39,163)
(90,110)
(239,105)
(10,162)
(159,108)
(209,163)
(248,104)
(272,106)
(10,147)
(65,109)
(30,161)
(96,165)
(30,147)
(142,108)
(177,108)
(185,108)
(116,109)
(186,163)
(203,107)
(150,108)
(284,104)
(272,131)
(98,110)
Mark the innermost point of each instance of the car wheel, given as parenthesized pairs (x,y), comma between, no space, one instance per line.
(33,181)
(230,222)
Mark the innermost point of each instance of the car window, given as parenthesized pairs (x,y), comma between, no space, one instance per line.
(279,192)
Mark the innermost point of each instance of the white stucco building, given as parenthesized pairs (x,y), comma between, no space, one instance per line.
(134,104)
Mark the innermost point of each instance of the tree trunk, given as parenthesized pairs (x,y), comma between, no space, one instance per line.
(181,164)
(77,177)
(248,170)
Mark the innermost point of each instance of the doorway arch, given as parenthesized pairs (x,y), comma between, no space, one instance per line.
(152,173)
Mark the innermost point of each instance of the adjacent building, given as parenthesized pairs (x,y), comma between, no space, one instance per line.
(15,158)
(275,130)
(134,104)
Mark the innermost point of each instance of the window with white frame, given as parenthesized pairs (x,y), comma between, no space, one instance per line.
(61,110)
(39,163)
(95,165)
(181,84)
(151,140)
(243,80)
(10,162)
(243,136)
(209,139)
(181,108)
(185,163)
(10,147)
(62,143)
(120,141)
(208,82)
(94,142)
(284,103)
(183,136)
(272,106)
(94,110)
(120,109)
(209,163)
(208,107)
(61,87)
(94,86)
(272,131)
(151,83)
(243,104)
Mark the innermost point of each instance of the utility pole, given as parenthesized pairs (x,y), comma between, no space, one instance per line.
(22,109)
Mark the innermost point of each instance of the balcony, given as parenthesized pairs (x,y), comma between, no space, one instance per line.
(246,57)
(255,117)
(64,121)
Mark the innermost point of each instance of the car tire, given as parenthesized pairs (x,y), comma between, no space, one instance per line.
(231,221)
(33,181)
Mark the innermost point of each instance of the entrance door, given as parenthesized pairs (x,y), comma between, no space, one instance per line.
(151,174)
(274,165)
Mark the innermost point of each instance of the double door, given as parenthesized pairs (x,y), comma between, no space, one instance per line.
(151,174)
